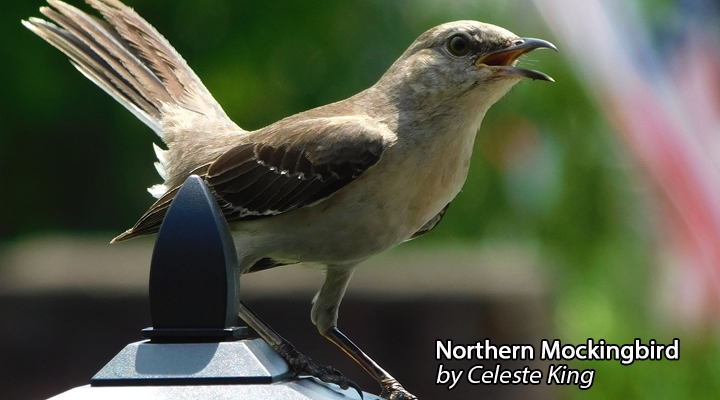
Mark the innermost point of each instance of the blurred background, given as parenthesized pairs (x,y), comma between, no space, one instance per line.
(592,209)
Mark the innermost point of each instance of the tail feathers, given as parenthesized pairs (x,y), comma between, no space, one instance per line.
(131,61)
(127,58)
(179,81)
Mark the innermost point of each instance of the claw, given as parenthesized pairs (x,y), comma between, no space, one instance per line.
(393,390)
(303,365)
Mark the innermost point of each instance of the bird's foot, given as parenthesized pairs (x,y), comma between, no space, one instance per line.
(393,390)
(303,365)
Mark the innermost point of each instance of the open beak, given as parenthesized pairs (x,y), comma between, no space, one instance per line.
(506,58)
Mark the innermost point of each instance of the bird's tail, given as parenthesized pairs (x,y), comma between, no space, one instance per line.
(132,62)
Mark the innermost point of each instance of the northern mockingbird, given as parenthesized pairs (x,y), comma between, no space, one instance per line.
(333,185)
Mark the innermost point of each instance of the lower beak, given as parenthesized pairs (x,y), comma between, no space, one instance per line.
(504,60)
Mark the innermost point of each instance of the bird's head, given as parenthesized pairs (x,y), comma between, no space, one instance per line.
(464,59)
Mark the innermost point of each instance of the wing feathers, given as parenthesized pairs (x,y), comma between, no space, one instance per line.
(307,167)
(235,163)
(284,167)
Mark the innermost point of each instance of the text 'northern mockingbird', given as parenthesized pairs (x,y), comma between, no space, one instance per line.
(333,185)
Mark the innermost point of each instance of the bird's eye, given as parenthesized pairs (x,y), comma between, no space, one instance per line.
(459,45)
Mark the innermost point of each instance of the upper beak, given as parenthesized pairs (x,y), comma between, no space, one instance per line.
(506,58)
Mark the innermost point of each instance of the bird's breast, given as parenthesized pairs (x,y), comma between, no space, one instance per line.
(431,178)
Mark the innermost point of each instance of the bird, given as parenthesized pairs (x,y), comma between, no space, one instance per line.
(333,185)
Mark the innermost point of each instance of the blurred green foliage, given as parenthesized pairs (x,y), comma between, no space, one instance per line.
(548,170)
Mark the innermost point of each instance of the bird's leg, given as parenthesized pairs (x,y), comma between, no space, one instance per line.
(325,315)
(300,363)
(391,388)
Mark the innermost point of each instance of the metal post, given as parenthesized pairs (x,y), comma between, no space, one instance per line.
(195,348)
